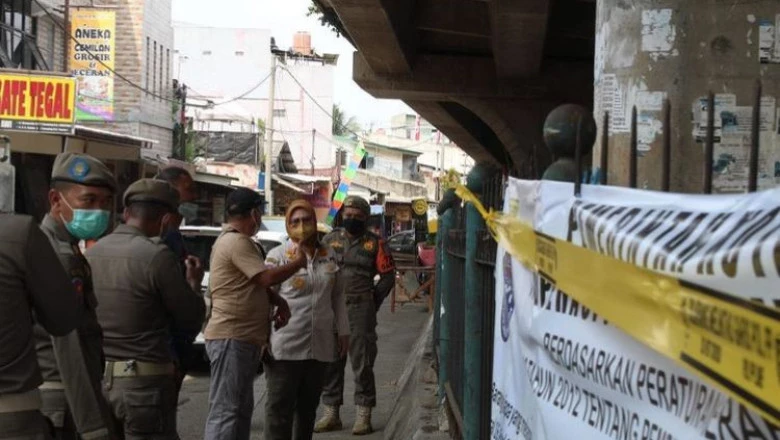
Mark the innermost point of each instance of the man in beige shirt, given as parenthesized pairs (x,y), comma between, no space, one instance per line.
(239,327)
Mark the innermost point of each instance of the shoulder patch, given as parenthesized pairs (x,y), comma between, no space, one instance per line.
(78,284)
(369,245)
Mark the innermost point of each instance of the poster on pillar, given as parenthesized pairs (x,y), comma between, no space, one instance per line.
(561,371)
(91,61)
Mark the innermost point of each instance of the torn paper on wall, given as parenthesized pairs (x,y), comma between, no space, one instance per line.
(613,101)
(724,107)
(658,33)
(649,119)
(769,41)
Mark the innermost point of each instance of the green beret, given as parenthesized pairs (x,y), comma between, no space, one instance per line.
(82,169)
(357,203)
(152,191)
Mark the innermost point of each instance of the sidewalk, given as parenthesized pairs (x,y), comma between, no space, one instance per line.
(397,335)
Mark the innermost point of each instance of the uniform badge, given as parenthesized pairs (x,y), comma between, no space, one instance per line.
(369,246)
(78,169)
(78,284)
(298,283)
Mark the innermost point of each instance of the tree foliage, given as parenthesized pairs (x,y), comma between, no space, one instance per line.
(327,18)
(343,125)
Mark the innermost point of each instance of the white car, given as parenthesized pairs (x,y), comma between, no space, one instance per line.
(199,240)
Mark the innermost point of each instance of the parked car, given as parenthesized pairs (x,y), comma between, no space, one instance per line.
(402,246)
(199,241)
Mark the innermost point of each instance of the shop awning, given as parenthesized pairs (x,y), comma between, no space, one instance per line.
(287,184)
(213,179)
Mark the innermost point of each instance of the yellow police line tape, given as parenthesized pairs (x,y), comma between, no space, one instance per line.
(729,341)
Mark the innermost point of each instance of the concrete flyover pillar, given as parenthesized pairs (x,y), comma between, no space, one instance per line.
(651,50)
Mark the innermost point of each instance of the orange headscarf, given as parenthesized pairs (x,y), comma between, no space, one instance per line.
(300,204)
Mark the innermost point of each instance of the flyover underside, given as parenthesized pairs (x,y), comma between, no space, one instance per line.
(485,73)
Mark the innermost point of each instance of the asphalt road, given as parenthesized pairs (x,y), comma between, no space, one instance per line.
(397,334)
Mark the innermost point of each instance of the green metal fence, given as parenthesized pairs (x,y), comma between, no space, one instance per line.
(466,313)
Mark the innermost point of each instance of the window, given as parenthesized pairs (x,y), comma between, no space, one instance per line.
(162,71)
(148,53)
(154,69)
(18,29)
(280,113)
(167,68)
(239,53)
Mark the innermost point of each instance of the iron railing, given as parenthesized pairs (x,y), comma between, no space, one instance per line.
(454,247)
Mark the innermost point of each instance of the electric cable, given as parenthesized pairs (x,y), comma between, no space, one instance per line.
(118,75)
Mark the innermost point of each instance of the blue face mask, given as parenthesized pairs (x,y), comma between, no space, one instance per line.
(86,224)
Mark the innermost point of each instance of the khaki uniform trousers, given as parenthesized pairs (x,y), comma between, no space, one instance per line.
(143,399)
(21,418)
(361,310)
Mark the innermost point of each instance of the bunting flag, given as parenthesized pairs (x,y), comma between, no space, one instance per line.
(346,181)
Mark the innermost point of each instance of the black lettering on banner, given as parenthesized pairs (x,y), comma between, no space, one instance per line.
(688,400)
(549,297)
(735,422)
(509,414)
(681,241)
(730,259)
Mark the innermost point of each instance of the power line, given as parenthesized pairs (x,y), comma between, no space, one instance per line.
(118,75)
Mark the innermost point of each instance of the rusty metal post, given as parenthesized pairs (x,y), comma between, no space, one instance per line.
(755,137)
(709,146)
(666,157)
(604,149)
(633,158)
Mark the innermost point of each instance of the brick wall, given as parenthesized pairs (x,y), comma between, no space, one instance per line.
(135,112)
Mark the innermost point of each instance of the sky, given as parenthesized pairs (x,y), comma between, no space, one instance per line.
(284,18)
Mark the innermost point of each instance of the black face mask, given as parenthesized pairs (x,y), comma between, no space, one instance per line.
(354,226)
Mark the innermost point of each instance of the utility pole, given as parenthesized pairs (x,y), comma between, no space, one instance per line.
(183,124)
(66,38)
(269,129)
(313,133)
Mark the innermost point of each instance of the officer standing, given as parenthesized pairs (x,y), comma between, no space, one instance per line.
(32,280)
(80,199)
(142,294)
(362,256)
(181,180)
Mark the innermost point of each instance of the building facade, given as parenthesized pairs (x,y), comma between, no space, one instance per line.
(143,54)
(303,90)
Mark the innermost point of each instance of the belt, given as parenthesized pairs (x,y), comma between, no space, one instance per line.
(51,385)
(29,401)
(138,368)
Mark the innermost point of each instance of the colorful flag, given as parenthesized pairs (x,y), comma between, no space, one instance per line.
(346,181)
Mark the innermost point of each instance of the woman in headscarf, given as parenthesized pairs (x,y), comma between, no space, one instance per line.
(302,350)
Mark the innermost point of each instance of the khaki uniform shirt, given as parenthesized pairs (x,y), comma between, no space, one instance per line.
(31,276)
(142,292)
(76,359)
(361,259)
(316,305)
(239,307)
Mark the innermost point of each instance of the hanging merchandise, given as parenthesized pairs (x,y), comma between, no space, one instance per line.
(7,177)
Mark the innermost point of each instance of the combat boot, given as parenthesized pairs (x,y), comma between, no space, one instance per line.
(330,421)
(362,421)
